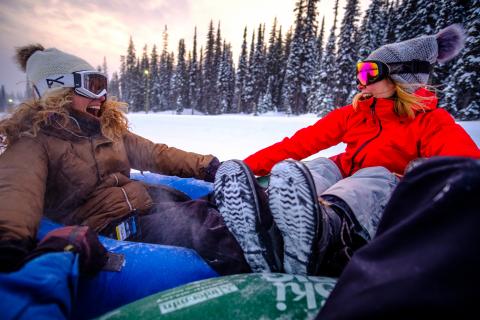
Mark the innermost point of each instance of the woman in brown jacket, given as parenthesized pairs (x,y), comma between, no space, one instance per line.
(67,154)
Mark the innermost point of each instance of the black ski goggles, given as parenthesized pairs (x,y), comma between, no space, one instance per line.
(371,71)
(90,84)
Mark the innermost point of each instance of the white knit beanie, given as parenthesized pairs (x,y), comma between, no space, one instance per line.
(440,47)
(41,64)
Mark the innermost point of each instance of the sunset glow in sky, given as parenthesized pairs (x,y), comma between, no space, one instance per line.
(94,29)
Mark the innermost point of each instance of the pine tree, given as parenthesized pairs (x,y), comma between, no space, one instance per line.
(137,89)
(347,55)
(201,88)
(324,96)
(449,12)
(392,22)
(194,83)
(114,86)
(265,102)
(293,96)
(258,69)
(404,28)
(130,75)
(165,75)
(123,77)
(210,73)
(311,55)
(274,63)
(144,97)
(241,76)
(373,28)
(225,80)
(181,79)
(171,71)
(465,95)
(320,40)
(154,80)
(425,18)
(250,79)
(283,71)
(278,71)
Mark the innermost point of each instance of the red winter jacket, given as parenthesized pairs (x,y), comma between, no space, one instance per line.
(375,136)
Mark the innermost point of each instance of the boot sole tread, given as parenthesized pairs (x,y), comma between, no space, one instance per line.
(292,200)
(238,204)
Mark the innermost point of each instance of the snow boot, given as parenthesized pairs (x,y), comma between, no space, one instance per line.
(346,235)
(320,234)
(295,208)
(244,208)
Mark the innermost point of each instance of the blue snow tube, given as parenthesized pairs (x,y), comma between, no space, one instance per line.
(148,268)
(192,187)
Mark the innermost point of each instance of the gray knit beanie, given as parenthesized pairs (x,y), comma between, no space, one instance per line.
(440,47)
(40,64)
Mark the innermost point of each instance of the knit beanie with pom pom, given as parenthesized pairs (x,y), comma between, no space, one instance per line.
(440,47)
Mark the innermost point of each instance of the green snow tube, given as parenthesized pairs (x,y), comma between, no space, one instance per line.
(245,296)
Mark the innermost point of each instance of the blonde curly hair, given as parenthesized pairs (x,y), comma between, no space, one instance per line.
(29,117)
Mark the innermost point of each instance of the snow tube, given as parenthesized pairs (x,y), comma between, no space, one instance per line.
(29,294)
(246,296)
(148,268)
(192,187)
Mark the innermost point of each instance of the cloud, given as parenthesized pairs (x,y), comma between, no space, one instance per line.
(94,29)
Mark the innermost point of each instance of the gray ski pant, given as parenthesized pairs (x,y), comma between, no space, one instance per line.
(366,192)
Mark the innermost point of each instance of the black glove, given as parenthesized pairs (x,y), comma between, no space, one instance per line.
(212,169)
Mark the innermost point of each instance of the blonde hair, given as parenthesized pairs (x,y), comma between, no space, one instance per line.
(407,103)
(29,117)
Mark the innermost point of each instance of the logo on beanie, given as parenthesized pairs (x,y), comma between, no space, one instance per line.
(50,82)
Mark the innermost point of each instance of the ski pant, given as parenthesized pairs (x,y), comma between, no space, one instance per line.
(424,260)
(177,220)
(366,192)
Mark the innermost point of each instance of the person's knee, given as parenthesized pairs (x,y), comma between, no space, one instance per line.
(377,172)
(321,163)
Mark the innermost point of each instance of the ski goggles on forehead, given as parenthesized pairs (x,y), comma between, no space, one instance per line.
(371,71)
(90,84)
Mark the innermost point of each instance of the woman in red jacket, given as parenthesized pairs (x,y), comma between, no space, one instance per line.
(319,212)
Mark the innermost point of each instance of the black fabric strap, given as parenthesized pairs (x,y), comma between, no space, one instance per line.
(414,66)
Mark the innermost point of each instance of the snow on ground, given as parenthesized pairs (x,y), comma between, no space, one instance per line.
(233,136)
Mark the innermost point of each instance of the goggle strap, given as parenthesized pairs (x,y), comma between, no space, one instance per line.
(55,81)
(414,66)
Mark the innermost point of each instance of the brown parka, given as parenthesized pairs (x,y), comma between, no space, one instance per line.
(75,175)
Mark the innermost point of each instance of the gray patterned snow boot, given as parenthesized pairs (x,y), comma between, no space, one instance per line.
(302,221)
(243,206)
(319,234)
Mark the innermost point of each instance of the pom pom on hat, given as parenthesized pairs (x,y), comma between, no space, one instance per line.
(24,53)
(450,41)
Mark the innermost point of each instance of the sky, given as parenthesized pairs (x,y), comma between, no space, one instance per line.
(97,29)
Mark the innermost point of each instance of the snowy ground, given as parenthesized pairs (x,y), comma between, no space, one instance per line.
(232,136)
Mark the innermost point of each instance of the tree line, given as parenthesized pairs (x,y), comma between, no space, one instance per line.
(305,69)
